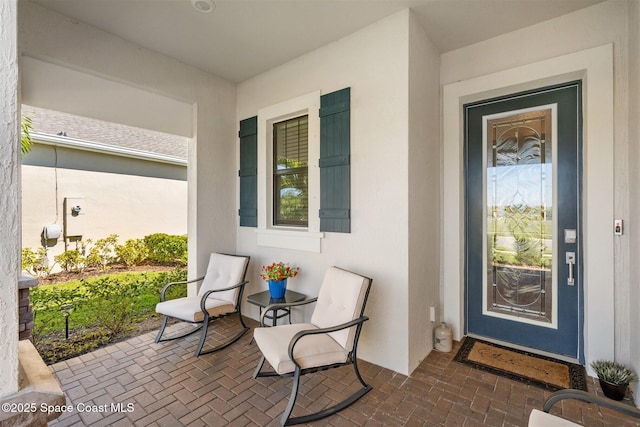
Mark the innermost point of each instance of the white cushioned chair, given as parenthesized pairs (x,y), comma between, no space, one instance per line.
(220,295)
(330,340)
(543,418)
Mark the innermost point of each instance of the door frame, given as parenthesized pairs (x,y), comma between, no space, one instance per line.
(563,334)
(595,68)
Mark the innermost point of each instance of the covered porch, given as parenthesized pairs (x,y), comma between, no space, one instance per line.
(163,384)
(405,202)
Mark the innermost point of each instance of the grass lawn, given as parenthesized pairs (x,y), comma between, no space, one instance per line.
(101,310)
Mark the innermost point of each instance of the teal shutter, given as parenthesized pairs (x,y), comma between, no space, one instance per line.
(335,174)
(248,172)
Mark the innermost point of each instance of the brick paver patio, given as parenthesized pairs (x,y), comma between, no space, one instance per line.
(137,382)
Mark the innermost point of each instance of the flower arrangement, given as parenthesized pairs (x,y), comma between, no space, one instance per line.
(278,271)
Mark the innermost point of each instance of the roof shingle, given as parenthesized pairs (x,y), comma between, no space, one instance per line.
(52,122)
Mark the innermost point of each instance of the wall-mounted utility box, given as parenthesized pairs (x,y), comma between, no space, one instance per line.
(74,217)
(52,232)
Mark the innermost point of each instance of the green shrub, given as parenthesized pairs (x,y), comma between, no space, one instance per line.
(133,252)
(129,297)
(113,304)
(102,253)
(166,249)
(35,262)
(158,248)
(70,260)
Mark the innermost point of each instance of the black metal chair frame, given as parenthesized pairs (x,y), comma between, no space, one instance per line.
(204,324)
(590,398)
(286,419)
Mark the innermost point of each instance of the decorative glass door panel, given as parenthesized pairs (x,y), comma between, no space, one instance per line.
(519,227)
(523,280)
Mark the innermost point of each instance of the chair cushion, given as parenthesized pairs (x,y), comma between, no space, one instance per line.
(340,300)
(188,308)
(543,419)
(311,351)
(223,271)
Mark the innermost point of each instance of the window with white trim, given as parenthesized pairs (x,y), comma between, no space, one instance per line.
(291,172)
(266,180)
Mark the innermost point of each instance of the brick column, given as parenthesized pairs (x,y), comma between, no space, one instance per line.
(25,313)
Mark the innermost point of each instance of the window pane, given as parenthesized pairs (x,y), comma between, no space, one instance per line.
(292,207)
(519,221)
(291,143)
(290,197)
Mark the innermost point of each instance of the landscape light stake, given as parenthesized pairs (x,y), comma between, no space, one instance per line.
(66,310)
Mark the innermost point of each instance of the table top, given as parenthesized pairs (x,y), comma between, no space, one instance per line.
(263,299)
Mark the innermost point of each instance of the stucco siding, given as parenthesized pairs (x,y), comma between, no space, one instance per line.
(423,192)
(9,198)
(634,180)
(127,205)
(374,63)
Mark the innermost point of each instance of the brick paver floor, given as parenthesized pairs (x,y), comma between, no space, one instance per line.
(137,382)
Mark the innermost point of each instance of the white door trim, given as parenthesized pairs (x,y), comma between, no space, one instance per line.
(595,67)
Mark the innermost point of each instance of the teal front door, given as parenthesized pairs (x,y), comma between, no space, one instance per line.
(523,281)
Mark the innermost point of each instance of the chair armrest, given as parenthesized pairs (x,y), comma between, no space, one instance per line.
(299,335)
(168,285)
(206,294)
(590,398)
(280,305)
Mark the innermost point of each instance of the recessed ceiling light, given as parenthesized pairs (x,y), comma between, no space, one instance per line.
(204,6)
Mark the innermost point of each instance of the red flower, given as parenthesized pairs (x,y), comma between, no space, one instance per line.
(278,271)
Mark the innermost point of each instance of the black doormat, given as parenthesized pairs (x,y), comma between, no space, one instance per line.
(546,372)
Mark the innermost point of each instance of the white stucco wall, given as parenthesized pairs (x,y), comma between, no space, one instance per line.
(607,275)
(9,198)
(127,205)
(634,180)
(60,88)
(423,191)
(108,64)
(374,63)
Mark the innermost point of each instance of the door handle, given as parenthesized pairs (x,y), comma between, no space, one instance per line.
(571,261)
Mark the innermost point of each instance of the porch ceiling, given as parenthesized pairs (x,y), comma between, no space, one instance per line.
(243,38)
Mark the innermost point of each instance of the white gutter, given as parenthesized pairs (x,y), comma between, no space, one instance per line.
(96,147)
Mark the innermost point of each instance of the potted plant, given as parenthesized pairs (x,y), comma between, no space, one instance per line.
(614,378)
(276,275)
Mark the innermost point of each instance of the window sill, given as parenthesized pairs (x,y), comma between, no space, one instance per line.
(301,240)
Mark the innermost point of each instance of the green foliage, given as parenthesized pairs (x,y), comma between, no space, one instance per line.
(133,252)
(292,189)
(159,248)
(103,252)
(614,372)
(52,297)
(528,251)
(101,309)
(278,271)
(26,142)
(130,297)
(113,303)
(34,262)
(528,228)
(70,260)
(167,249)
(56,348)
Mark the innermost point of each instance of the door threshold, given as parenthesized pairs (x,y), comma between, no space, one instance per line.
(527,349)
